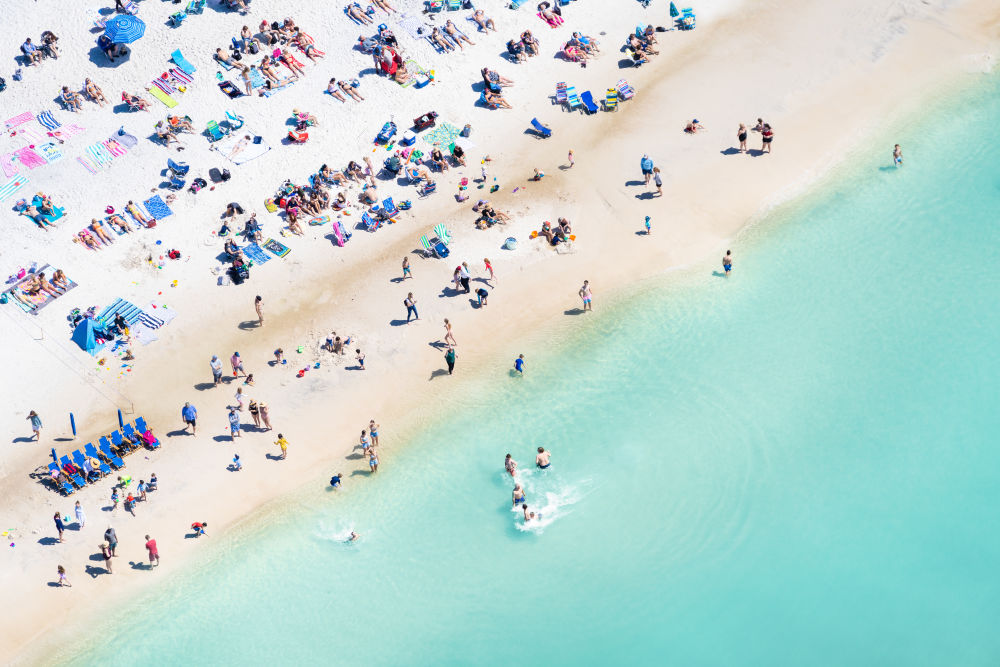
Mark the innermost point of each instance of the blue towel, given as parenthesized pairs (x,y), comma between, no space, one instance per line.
(157,208)
(47,120)
(256,254)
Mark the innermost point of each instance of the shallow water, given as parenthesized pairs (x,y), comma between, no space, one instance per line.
(794,465)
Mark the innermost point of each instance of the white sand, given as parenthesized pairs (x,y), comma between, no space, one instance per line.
(825,75)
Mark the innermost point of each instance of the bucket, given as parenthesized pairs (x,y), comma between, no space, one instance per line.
(510,243)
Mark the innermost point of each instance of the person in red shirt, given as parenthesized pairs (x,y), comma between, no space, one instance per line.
(199,528)
(154,553)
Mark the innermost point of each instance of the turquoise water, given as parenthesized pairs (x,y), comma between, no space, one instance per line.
(795,465)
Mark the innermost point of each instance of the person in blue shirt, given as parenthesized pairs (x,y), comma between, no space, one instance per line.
(519,364)
(31,52)
(646,164)
(335,480)
(190,415)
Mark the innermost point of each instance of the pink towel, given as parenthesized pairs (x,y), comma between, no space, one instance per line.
(87,164)
(30,158)
(19,119)
(10,164)
(67,131)
(31,136)
(116,148)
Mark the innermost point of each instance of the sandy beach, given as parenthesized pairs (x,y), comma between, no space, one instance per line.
(826,77)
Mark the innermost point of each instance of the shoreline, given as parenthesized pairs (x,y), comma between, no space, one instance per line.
(616,278)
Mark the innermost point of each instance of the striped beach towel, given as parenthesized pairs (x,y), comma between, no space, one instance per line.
(50,152)
(70,131)
(164,85)
(12,186)
(47,120)
(183,77)
(87,164)
(100,155)
(30,159)
(19,119)
(115,148)
(30,135)
(150,321)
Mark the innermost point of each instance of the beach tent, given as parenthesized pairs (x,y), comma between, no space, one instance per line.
(85,336)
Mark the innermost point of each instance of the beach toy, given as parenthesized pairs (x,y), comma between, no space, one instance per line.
(317,365)
(301,373)
(515,189)
(284,361)
(159,243)
(300,348)
(494,188)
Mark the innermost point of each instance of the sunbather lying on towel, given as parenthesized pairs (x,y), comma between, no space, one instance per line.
(40,284)
(136,214)
(224,58)
(116,220)
(456,35)
(85,238)
(291,63)
(349,89)
(94,92)
(36,216)
(98,228)
(306,44)
(550,17)
(266,69)
(70,99)
(384,6)
(483,21)
(439,39)
(356,13)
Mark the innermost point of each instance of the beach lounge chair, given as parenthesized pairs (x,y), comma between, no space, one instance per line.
(483,100)
(543,131)
(234,121)
(79,481)
(176,183)
(128,431)
(178,168)
(92,453)
(196,6)
(625,91)
(611,100)
(100,21)
(131,8)
(177,18)
(140,425)
(572,99)
(214,131)
(371,224)
(110,455)
(442,233)
(434,247)
(588,101)
(182,62)
(389,209)
(66,487)
(560,92)
(434,5)
(454,4)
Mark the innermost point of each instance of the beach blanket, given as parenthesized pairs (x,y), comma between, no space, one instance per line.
(49,151)
(256,254)
(115,148)
(128,310)
(181,76)
(159,94)
(256,78)
(125,139)
(157,209)
(12,186)
(236,148)
(19,119)
(442,135)
(164,85)
(31,135)
(29,158)
(32,303)
(277,247)
(47,120)
(100,155)
(414,69)
(88,164)
(413,25)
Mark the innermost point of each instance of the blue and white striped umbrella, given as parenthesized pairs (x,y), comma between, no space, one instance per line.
(124,29)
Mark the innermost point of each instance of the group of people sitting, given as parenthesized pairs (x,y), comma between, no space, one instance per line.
(36,284)
(521,48)
(34,53)
(558,234)
(492,84)
(73,101)
(640,48)
(489,216)
(167,130)
(272,39)
(90,467)
(37,209)
(580,47)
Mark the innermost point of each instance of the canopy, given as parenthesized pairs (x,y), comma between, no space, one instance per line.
(84,336)
(124,29)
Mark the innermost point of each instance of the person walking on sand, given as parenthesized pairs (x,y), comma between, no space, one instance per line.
(448,335)
(190,416)
(111,537)
(81,517)
(237,363)
(360,359)
(727,262)
(281,442)
(216,365)
(258,305)
(154,553)
(766,137)
(646,164)
(741,136)
(569,158)
(114,498)
(587,295)
(657,181)
(373,431)
(464,276)
(63,581)
(60,526)
(519,364)
(649,228)
(406,268)
(449,358)
(265,415)
(36,425)
(411,307)
(234,424)
(489,267)
(897,159)
(106,554)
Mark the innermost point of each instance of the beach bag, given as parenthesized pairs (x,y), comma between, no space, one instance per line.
(236,55)
(270,205)
(253,48)
(226,176)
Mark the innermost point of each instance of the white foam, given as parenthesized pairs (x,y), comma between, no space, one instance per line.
(556,506)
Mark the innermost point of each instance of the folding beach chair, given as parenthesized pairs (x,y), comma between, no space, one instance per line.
(541,129)
(178,168)
(427,189)
(111,456)
(92,453)
(66,487)
(588,102)
(131,8)
(389,208)
(442,233)
(560,92)
(454,4)
(140,425)
(101,20)
(214,131)
(371,224)
(176,183)
(434,5)
(195,7)
(177,18)
(234,121)
(625,91)
(611,100)
(572,99)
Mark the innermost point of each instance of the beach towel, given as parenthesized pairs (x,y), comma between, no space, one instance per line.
(157,209)
(182,62)
(277,247)
(19,119)
(164,85)
(67,131)
(125,139)
(87,164)
(442,135)
(129,311)
(29,158)
(12,186)
(413,25)
(32,303)
(115,148)
(236,148)
(100,155)
(181,76)
(256,78)
(230,89)
(30,135)
(256,254)
(10,164)
(47,120)
(49,151)
(159,94)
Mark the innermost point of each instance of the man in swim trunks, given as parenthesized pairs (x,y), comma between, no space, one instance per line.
(542,458)
(586,295)
(518,494)
(897,155)
(727,262)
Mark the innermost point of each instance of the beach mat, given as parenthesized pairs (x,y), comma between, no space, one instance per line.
(277,247)
(50,151)
(12,186)
(159,94)
(442,135)
(19,119)
(29,158)
(125,139)
(32,303)
(237,149)
(157,209)
(413,25)
(128,310)
(87,164)
(10,164)
(267,92)
(256,254)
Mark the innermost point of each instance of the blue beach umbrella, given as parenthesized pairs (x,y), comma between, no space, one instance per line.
(124,29)
(673,10)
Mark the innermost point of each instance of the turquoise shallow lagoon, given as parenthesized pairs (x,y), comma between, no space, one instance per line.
(795,465)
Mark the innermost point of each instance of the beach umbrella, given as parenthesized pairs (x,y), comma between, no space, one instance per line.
(124,29)
(673,10)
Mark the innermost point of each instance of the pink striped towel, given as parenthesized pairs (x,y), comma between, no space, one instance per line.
(66,131)
(19,119)
(30,158)
(115,148)
(87,164)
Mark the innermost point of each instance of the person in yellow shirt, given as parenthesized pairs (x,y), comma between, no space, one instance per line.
(281,442)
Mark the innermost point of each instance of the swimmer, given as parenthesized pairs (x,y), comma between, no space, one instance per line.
(897,155)
(518,494)
(510,465)
(335,480)
(354,537)
(527,515)
(727,262)
(542,458)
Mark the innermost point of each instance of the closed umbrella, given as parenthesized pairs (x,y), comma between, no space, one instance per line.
(673,10)
(124,29)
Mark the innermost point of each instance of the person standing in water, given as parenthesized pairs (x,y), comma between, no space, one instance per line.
(449,358)
(727,262)
(518,495)
(528,516)
(587,296)
(510,465)
(519,364)
(373,430)
(897,156)
(542,458)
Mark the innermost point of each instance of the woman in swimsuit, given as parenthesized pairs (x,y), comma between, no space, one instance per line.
(349,89)
(59,280)
(98,229)
(766,137)
(518,494)
(363,442)
(94,92)
(254,412)
(741,134)
(71,99)
(384,6)
(373,460)
(332,89)
(510,465)
(530,43)
(373,429)
(266,70)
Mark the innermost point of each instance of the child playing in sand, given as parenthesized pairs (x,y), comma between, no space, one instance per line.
(539,175)
(649,229)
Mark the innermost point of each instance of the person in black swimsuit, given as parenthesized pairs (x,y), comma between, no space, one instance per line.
(741,134)
(767,136)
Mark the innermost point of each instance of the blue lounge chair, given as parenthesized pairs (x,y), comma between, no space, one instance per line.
(111,456)
(214,131)
(388,208)
(128,431)
(541,129)
(118,441)
(176,183)
(78,457)
(182,62)
(434,247)
(588,101)
(79,481)
(140,425)
(92,453)
(176,19)
(371,224)
(178,168)
(196,7)
(66,487)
